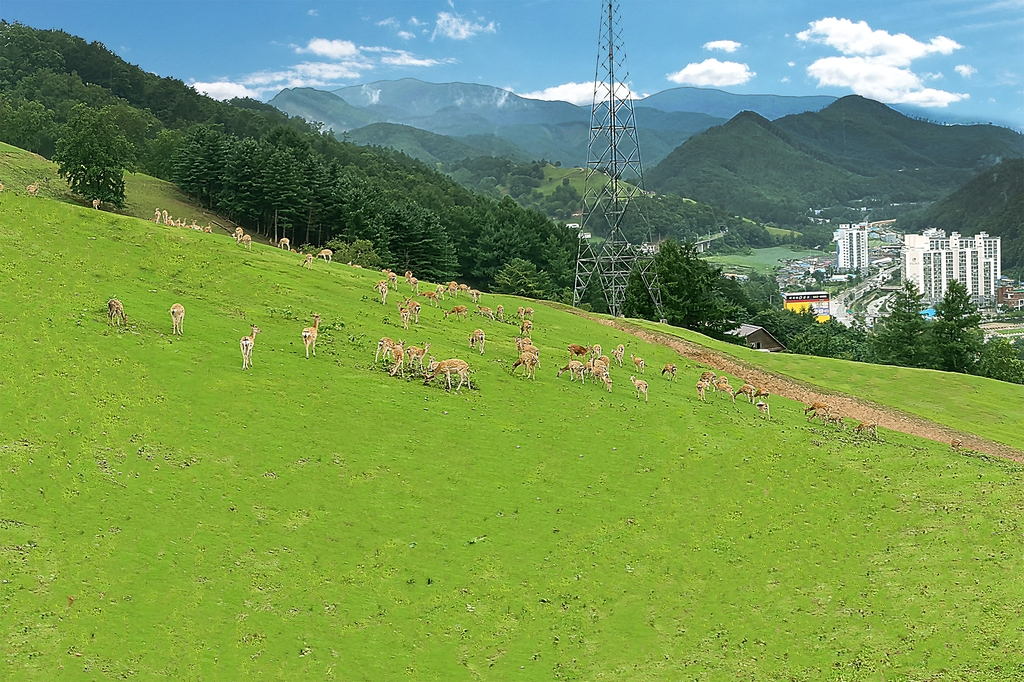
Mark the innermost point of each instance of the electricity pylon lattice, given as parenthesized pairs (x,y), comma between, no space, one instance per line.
(614,178)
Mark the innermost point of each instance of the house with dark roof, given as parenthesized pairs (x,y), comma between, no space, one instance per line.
(757,338)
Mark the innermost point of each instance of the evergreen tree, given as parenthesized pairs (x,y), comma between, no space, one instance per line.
(899,339)
(999,360)
(956,337)
(522,278)
(92,154)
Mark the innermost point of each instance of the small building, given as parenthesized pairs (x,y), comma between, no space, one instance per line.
(1011,296)
(818,301)
(757,338)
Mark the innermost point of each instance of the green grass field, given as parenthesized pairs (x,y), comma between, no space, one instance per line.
(780,232)
(319,519)
(763,261)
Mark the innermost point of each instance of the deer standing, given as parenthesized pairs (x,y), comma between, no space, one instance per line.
(239,232)
(669,369)
(619,353)
(638,363)
(575,367)
(867,427)
(764,409)
(382,289)
(404,314)
(414,308)
(430,296)
(414,284)
(416,354)
(596,350)
(398,352)
(818,406)
(526,327)
(309,335)
(500,312)
(177,318)
(453,289)
(748,390)
(529,362)
(641,387)
(957,445)
(96,204)
(247,344)
(528,312)
(307,261)
(576,350)
(326,254)
(477,338)
(247,242)
(484,311)
(702,387)
(115,313)
(284,243)
(474,295)
(384,349)
(458,311)
(156,217)
(447,368)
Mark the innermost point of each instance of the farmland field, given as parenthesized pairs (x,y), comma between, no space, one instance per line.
(763,261)
(167,514)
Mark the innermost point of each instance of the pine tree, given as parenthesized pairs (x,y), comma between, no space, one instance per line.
(899,339)
(956,337)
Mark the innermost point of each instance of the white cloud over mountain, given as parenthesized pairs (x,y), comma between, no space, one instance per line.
(875,63)
(712,72)
(225,90)
(724,45)
(457,27)
(576,93)
(332,49)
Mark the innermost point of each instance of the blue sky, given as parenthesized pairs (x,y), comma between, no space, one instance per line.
(955,57)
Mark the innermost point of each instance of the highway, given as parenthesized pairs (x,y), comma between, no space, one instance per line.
(841,303)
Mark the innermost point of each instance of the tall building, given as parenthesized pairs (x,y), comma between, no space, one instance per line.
(931,260)
(852,247)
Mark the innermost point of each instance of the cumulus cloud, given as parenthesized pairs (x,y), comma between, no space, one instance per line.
(577,93)
(223,90)
(390,22)
(332,49)
(965,70)
(406,35)
(876,63)
(413,21)
(313,13)
(712,72)
(457,27)
(724,45)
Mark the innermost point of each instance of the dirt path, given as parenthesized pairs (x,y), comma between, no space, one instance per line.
(847,406)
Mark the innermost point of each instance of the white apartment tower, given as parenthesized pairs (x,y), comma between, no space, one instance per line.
(931,260)
(852,247)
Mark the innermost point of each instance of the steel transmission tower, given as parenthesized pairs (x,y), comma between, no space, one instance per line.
(614,178)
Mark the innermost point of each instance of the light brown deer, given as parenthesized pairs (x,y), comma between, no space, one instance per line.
(748,390)
(526,327)
(867,427)
(835,420)
(702,387)
(477,338)
(818,406)
(309,335)
(156,217)
(447,368)
(619,353)
(638,363)
(166,217)
(763,393)
(392,278)
(669,369)
(430,296)
(408,276)
(247,344)
(414,308)
(607,379)
(528,312)
(326,254)
(382,289)
(239,232)
(463,288)
(384,349)
(208,229)
(432,365)
(500,312)
(306,262)
(96,204)
(764,409)
(284,243)
(641,387)
(529,362)
(177,318)
(453,289)
(398,359)
(957,445)
(484,311)
(595,350)
(115,313)
(574,368)
(521,312)
(602,366)
(458,311)
(578,351)
(247,242)
(474,295)
(522,342)
(33,189)
(405,315)
(708,376)
(414,284)
(416,354)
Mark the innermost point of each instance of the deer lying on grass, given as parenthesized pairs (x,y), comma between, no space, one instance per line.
(529,362)
(33,189)
(384,349)
(867,427)
(309,335)
(458,311)
(447,368)
(115,313)
(177,318)
(477,338)
(247,344)
(641,387)
(669,369)
(574,368)
(619,353)
(638,363)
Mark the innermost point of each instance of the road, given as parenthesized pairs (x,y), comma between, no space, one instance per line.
(841,304)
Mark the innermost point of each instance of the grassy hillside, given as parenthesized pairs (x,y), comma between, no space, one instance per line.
(960,401)
(144,193)
(430,147)
(168,514)
(760,260)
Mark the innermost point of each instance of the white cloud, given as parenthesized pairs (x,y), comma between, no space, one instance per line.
(456,27)
(577,93)
(225,90)
(785,79)
(313,13)
(876,63)
(413,21)
(402,58)
(332,49)
(714,73)
(390,22)
(965,70)
(724,45)
(406,35)
(790,63)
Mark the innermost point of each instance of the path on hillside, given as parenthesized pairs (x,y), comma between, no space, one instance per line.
(846,405)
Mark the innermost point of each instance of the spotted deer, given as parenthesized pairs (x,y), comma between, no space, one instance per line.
(398,355)
(574,368)
(619,353)
(464,288)
(818,406)
(414,308)
(177,318)
(867,427)
(595,350)
(528,312)
(458,311)
(748,390)
(477,338)
(326,254)
(247,344)
(819,413)
(474,295)
(307,261)
(607,379)
(957,445)
(392,279)
(641,387)
(416,354)
(702,387)
(309,335)
(439,292)
(382,289)
(500,312)
(638,363)
(115,313)
(447,368)
(521,312)
(405,314)
(384,349)
(484,311)
(453,289)
(762,393)
(284,243)
(414,284)
(835,420)
(430,296)
(526,327)
(670,370)
(247,242)
(239,232)
(529,362)
(764,409)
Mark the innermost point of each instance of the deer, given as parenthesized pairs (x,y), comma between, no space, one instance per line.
(669,369)
(484,311)
(398,355)
(307,261)
(526,327)
(165,217)
(477,338)
(748,390)
(392,278)
(641,387)
(33,189)
(309,335)
(724,387)
(447,368)
(384,348)
(430,296)
(867,427)
(762,393)
(326,254)
(607,379)
(464,288)
(638,363)
(957,445)
(576,350)
(439,292)
(818,406)
(208,229)
(474,295)
(820,413)
(595,350)
(404,314)
(453,289)
(284,243)
(115,313)
(602,366)
(458,311)
(156,217)
(500,312)
(414,284)
(574,368)
(529,362)
(619,353)
(382,288)
(247,344)
(247,242)
(702,387)
(835,420)
(239,232)
(764,409)
(177,318)
(416,354)
(96,204)
(432,365)
(414,308)
(521,312)
(522,342)
(528,312)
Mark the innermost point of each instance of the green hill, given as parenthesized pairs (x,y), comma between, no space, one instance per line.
(855,149)
(430,147)
(168,514)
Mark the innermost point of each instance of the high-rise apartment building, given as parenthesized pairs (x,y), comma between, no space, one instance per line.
(932,260)
(852,247)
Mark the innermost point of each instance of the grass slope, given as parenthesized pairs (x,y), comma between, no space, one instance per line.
(969,403)
(761,260)
(321,520)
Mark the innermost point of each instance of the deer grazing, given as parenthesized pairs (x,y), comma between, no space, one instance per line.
(669,369)
(398,355)
(384,349)
(702,387)
(528,312)
(33,189)
(619,353)
(526,327)
(638,363)
(115,313)
(722,386)
(309,335)
(247,344)
(576,350)
(574,368)
(447,368)
(96,204)
(641,387)
(284,243)
(867,427)
(500,312)
(247,242)
(819,413)
(529,362)
(458,311)
(748,390)
(764,409)
(818,406)
(307,261)
(177,318)
(416,354)
(762,393)
(326,254)
(484,311)
(835,420)
(477,338)
(439,291)
(430,296)
(957,445)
